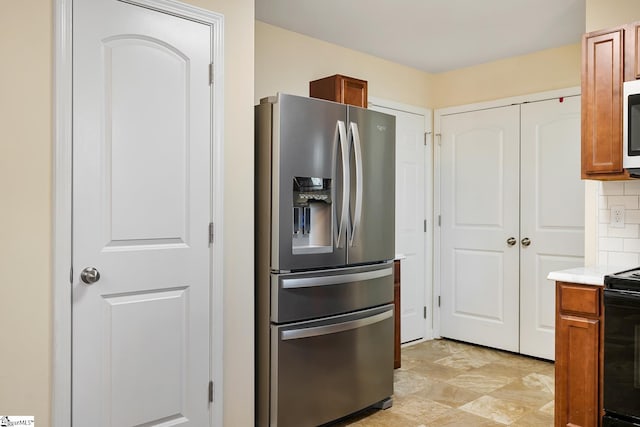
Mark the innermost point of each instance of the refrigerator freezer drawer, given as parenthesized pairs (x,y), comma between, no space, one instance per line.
(325,369)
(310,295)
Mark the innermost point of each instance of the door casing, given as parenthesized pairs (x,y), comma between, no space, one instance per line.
(62,200)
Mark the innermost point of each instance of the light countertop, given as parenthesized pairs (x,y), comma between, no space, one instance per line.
(592,275)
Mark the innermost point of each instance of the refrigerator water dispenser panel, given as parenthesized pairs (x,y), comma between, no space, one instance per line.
(312,215)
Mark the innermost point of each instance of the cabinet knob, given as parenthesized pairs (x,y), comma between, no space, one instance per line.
(526,242)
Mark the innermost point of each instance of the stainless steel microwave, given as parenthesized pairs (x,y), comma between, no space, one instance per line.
(631,127)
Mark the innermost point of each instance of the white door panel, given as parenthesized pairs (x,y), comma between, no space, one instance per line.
(150,201)
(478,162)
(552,214)
(410,216)
(479,196)
(127,319)
(142,201)
(471,267)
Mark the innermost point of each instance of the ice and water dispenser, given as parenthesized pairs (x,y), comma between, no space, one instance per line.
(312,215)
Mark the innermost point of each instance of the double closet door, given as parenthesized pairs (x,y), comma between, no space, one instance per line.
(512,210)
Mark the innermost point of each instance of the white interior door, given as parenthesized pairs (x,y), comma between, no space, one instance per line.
(410,217)
(479,203)
(552,214)
(141,212)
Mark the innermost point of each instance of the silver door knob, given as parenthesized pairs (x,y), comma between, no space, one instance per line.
(526,242)
(511,241)
(90,275)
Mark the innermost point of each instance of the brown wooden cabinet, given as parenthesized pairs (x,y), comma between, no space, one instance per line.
(602,77)
(396,311)
(339,88)
(579,345)
(632,51)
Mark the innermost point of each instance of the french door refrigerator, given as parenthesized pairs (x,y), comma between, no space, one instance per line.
(325,224)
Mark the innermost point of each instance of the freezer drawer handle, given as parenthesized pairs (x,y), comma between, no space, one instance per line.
(310,282)
(332,329)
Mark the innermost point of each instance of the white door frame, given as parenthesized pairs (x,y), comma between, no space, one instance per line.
(428,204)
(62,200)
(540,96)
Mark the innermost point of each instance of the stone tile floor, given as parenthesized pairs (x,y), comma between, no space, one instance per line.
(449,383)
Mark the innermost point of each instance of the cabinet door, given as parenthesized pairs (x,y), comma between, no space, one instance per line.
(632,51)
(354,92)
(578,355)
(577,349)
(602,77)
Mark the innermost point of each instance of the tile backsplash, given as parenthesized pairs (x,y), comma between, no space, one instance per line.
(619,246)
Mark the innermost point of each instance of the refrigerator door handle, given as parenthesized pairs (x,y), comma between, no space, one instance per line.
(310,282)
(341,133)
(357,216)
(335,328)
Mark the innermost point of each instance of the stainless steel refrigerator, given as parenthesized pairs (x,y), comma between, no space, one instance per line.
(325,224)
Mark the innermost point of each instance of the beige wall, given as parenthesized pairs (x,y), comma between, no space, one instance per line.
(287,61)
(26,40)
(602,14)
(25,208)
(537,72)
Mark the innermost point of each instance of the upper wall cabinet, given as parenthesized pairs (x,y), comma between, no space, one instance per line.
(632,51)
(339,88)
(609,57)
(602,77)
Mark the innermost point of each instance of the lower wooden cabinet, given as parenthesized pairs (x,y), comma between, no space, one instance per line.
(579,345)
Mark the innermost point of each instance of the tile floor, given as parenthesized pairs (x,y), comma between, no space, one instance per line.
(448,383)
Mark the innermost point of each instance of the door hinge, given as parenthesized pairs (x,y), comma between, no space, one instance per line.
(425,225)
(424,313)
(211,233)
(438,300)
(211,391)
(211,74)
(439,220)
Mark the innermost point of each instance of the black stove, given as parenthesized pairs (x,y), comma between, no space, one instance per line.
(628,280)
(622,349)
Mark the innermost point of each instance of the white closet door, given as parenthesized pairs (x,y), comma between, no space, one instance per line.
(141,213)
(410,215)
(480,214)
(552,214)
